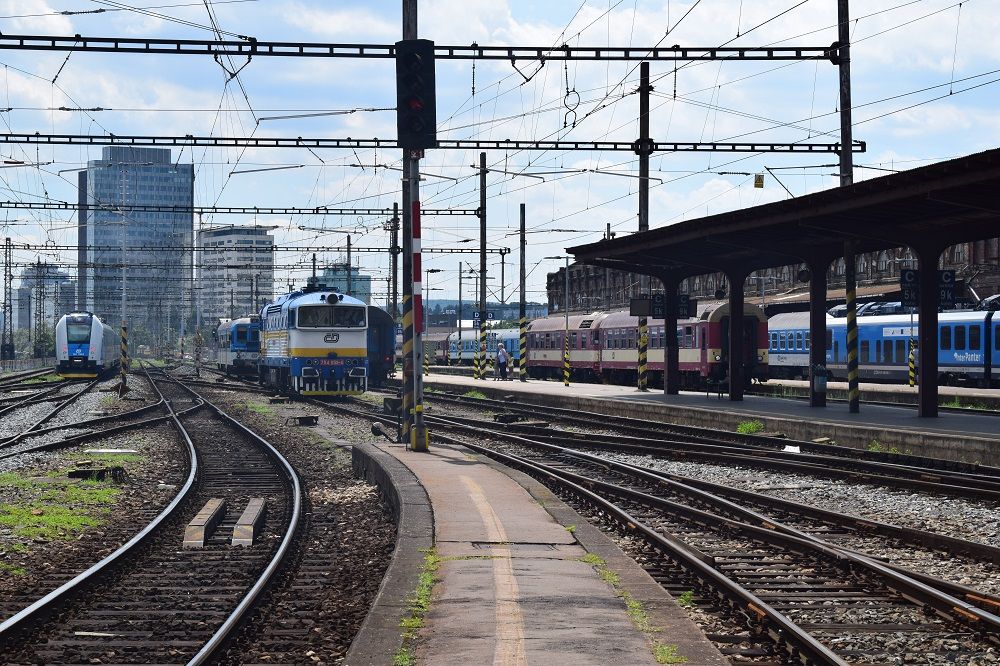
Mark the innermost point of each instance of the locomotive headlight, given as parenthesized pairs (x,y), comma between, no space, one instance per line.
(760,358)
(718,358)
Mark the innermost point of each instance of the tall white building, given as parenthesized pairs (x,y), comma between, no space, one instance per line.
(235,271)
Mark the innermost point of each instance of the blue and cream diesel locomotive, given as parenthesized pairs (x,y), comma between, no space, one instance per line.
(85,346)
(238,345)
(314,342)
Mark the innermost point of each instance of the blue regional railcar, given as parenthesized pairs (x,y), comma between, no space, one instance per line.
(968,346)
(238,345)
(85,346)
(315,342)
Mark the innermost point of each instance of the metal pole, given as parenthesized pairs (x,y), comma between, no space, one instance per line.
(350,280)
(566,332)
(395,262)
(482,265)
(643,151)
(847,178)
(459,349)
(522,357)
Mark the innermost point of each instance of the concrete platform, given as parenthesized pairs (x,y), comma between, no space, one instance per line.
(512,587)
(965,437)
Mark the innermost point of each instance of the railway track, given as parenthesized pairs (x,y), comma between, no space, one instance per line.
(152,600)
(799,576)
(916,471)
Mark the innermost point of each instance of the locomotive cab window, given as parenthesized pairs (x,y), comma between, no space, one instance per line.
(241,335)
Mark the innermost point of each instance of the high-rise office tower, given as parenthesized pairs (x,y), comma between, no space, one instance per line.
(235,272)
(155,285)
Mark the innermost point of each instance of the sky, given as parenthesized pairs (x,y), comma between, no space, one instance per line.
(925,88)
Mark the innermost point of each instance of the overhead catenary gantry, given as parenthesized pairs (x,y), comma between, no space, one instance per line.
(223,210)
(251,47)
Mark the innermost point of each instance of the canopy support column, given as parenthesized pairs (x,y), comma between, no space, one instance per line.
(737,353)
(927,401)
(817,332)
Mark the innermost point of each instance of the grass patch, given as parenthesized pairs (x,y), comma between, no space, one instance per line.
(12,570)
(44,379)
(54,508)
(750,427)
(571,529)
(876,446)
(478,395)
(663,653)
(259,408)
(686,599)
(109,459)
(419,604)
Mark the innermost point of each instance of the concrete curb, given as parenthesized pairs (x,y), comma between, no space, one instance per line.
(663,610)
(380,635)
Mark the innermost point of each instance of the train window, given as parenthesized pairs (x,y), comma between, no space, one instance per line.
(836,351)
(572,340)
(865,351)
(900,351)
(887,352)
(946,337)
(960,337)
(548,341)
(807,341)
(798,340)
(829,340)
(974,337)
(774,341)
(996,338)
(782,341)
(878,350)
(597,338)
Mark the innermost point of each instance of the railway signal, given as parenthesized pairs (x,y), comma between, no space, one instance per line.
(416,106)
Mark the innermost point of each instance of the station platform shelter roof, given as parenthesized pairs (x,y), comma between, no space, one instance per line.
(929,207)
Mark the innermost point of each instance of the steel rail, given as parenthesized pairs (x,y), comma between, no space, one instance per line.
(6,380)
(51,414)
(34,398)
(20,620)
(919,464)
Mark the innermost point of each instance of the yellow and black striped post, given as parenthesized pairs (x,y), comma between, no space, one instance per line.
(913,362)
(643,352)
(427,358)
(475,363)
(566,359)
(850,280)
(197,353)
(123,362)
(407,367)
(483,355)
(522,357)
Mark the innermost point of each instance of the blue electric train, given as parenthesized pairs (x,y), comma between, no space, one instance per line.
(85,346)
(381,346)
(464,353)
(968,346)
(238,345)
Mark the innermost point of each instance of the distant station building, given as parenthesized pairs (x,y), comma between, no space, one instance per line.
(114,195)
(976,265)
(235,271)
(335,277)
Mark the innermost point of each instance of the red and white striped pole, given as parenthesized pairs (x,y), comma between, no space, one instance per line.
(418,432)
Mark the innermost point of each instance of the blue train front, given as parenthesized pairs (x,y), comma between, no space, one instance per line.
(238,345)
(314,342)
(85,346)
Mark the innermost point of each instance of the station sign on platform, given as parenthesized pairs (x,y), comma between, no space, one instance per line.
(655,307)
(909,285)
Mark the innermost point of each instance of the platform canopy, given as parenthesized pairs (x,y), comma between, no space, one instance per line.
(930,207)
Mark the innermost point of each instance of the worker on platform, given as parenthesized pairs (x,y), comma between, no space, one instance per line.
(502,359)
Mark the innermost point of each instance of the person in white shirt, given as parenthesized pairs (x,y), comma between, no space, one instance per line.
(502,359)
